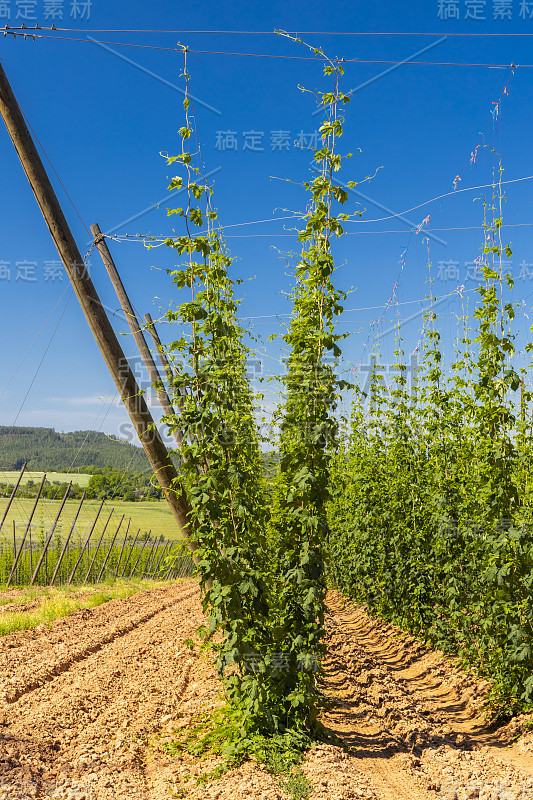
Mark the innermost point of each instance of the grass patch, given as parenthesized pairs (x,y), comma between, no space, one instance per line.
(23,596)
(220,734)
(56,603)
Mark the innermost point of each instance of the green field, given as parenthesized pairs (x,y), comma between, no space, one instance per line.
(154,516)
(81,479)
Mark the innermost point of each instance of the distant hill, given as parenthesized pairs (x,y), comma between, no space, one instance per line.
(45,449)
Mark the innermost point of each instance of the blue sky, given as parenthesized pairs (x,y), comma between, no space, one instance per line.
(105,113)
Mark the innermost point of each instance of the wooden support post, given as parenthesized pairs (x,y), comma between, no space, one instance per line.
(67,540)
(28,528)
(14,544)
(159,560)
(106,559)
(169,570)
(49,539)
(169,373)
(12,497)
(155,548)
(188,564)
(183,566)
(135,325)
(167,368)
(123,546)
(148,557)
(86,544)
(138,558)
(95,314)
(129,554)
(98,546)
(159,347)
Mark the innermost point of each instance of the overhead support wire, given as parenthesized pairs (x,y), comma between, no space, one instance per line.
(29,33)
(263,33)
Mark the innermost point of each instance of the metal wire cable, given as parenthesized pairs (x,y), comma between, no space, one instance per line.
(28,33)
(454,192)
(138,237)
(266,33)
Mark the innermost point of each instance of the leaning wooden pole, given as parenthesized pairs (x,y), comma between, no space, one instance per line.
(106,559)
(100,540)
(28,529)
(122,549)
(86,544)
(156,568)
(49,537)
(148,564)
(129,554)
(130,575)
(67,540)
(12,497)
(167,368)
(150,325)
(95,314)
(135,326)
(159,347)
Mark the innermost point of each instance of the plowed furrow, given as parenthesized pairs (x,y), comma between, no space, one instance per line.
(413,719)
(100,628)
(127,672)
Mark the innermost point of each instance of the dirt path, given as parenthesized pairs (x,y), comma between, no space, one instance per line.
(83,704)
(414,720)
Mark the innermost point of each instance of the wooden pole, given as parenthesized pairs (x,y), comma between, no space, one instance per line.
(188,564)
(15,544)
(49,539)
(67,540)
(106,559)
(155,548)
(183,566)
(86,544)
(12,497)
(156,568)
(169,372)
(98,546)
(171,567)
(159,347)
(135,326)
(95,314)
(123,546)
(129,554)
(138,558)
(168,369)
(28,528)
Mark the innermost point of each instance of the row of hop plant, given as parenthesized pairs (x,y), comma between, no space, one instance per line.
(431,511)
(85,564)
(259,545)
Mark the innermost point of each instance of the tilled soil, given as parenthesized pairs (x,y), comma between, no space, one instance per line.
(76,699)
(85,703)
(415,721)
